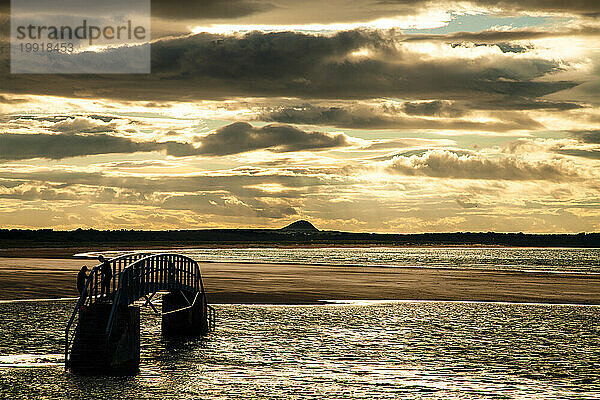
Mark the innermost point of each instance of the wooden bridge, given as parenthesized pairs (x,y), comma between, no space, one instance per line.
(106,334)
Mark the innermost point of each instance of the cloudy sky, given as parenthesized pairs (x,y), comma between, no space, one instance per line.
(366,115)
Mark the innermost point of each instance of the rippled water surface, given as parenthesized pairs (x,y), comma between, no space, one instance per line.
(533,259)
(414,350)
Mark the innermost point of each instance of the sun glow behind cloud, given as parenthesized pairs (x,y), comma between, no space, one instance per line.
(429,19)
(340,120)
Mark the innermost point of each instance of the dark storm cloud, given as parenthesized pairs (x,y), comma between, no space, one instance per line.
(302,65)
(241,137)
(502,38)
(435,108)
(224,9)
(25,146)
(289,63)
(186,9)
(513,48)
(232,139)
(10,183)
(586,137)
(206,9)
(406,116)
(447,164)
(257,54)
(334,116)
(589,136)
(520,103)
(591,154)
(489,36)
(137,164)
(583,7)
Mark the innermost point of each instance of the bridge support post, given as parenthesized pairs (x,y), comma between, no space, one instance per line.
(182,316)
(94,353)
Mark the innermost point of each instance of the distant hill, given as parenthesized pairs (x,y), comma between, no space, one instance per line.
(301,225)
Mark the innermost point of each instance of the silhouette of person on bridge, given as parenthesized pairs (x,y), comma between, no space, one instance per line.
(106,270)
(81,278)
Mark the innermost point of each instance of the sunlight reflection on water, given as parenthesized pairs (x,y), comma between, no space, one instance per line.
(521,259)
(432,350)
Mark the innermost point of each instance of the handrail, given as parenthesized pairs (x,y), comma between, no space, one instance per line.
(171,273)
(89,292)
(75,312)
(212,317)
(183,308)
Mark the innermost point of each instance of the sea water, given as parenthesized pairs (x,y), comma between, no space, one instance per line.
(493,258)
(360,350)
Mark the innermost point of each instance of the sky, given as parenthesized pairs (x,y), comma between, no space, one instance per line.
(380,116)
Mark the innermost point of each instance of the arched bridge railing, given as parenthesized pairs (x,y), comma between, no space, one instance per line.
(159,272)
(135,276)
(93,287)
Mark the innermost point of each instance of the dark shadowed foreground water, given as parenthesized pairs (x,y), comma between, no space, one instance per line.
(414,350)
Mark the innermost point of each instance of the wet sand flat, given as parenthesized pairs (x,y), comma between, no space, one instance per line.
(30,278)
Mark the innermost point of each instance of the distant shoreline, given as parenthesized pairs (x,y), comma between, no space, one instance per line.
(90,239)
